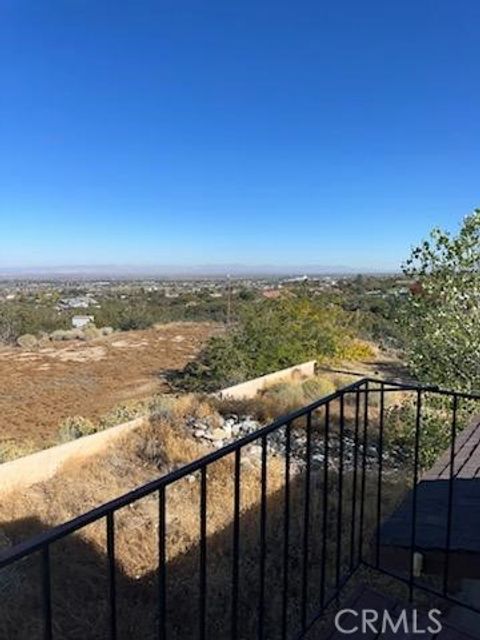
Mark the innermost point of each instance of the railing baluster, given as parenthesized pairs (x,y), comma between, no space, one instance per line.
(380,470)
(203,555)
(47,593)
(354,480)
(306,520)
(414,494)
(364,471)
(263,536)
(453,437)
(162,566)
(286,531)
(236,544)
(325,507)
(350,550)
(112,574)
(340,495)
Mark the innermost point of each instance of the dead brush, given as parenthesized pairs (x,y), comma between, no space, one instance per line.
(80,586)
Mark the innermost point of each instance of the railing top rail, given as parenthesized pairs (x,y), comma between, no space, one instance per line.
(410,386)
(58,532)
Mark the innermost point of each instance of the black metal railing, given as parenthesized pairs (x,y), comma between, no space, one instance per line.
(328,520)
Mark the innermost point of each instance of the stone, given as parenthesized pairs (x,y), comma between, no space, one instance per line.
(217,434)
(255,451)
(227,431)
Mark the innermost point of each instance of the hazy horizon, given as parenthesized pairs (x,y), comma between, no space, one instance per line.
(189,271)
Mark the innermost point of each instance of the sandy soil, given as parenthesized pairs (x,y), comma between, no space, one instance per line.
(40,388)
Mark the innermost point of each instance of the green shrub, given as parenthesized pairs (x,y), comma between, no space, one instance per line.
(271,335)
(317,387)
(121,414)
(27,341)
(435,426)
(288,395)
(161,407)
(11,450)
(60,334)
(75,427)
(90,332)
(356,350)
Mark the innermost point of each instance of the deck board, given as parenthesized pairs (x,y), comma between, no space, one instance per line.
(432,502)
(466,460)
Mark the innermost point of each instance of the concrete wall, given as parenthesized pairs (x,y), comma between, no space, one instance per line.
(42,465)
(250,388)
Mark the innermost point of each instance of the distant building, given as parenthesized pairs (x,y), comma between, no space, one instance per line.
(80,302)
(271,294)
(78,322)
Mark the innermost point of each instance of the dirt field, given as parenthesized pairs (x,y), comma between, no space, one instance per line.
(40,388)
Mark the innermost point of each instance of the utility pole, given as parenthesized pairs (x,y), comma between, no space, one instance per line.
(229,300)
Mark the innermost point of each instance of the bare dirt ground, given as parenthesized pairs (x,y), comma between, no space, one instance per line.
(40,388)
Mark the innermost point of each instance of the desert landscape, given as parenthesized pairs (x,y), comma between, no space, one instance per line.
(42,387)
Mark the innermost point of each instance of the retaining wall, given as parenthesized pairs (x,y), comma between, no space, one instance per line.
(42,465)
(250,388)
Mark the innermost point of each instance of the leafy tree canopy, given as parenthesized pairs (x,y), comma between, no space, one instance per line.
(442,316)
(272,335)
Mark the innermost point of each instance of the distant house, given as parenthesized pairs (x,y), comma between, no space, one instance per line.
(78,322)
(79,302)
(271,294)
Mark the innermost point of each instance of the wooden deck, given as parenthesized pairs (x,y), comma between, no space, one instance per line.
(366,598)
(432,503)
(431,520)
(467,457)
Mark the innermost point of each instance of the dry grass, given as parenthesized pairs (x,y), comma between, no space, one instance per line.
(80,572)
(43,386)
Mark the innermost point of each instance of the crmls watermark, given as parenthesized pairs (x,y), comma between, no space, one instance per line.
(405,621)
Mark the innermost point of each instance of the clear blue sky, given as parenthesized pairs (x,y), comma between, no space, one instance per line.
(211,131)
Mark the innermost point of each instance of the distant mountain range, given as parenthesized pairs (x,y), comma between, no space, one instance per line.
(175,271)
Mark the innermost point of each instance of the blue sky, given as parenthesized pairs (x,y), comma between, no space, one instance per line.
(257,132)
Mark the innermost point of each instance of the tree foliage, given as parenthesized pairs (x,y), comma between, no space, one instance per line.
(272,335)
(442,317)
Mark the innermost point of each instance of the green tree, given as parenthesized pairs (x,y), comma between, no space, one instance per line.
(442,316)
(271,335)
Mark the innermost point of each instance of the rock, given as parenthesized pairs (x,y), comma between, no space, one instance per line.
(235,430)
(227,431)
(255,451)
(217,434)
(199,433)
